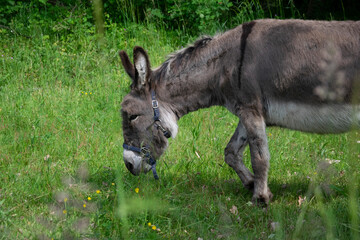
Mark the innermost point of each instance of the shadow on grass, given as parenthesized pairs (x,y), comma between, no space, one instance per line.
(212,205)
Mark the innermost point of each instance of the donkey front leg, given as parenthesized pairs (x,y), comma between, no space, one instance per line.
(234,156)
(255,128)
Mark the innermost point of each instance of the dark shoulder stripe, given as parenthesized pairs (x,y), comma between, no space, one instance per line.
(246,30)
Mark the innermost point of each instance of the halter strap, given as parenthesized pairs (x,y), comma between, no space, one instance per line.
(155,106)
(131,148)
(157,121)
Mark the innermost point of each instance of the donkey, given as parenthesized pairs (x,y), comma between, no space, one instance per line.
(289,73)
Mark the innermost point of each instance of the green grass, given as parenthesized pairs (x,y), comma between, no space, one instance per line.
(61,141)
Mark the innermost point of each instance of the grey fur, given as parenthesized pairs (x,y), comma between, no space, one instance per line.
(264,72)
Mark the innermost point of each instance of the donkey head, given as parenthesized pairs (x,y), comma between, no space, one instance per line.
(145,135)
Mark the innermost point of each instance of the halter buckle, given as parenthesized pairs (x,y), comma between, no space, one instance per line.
(155,104)
(145,152)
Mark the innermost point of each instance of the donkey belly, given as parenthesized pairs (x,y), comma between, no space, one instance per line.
(321,118)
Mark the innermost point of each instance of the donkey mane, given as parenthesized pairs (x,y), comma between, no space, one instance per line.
(182,57)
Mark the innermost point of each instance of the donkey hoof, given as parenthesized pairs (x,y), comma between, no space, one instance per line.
(262,199)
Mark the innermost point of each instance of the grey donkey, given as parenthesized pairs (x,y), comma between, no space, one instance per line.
(295,74)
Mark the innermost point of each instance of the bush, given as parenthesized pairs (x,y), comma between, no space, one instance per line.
(42,17)
(184,16)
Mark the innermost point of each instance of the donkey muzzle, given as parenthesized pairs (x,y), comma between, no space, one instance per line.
(135,163)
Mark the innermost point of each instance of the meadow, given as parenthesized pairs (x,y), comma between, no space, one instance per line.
(62,174)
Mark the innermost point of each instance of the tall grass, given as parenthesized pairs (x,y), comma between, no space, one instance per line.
(61,170)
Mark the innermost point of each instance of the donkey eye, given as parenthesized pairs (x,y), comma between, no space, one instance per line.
(133,117)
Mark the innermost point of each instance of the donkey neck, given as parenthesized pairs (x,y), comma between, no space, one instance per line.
(199,76)
(192,90)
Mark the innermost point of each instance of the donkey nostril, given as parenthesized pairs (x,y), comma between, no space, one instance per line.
(129,166)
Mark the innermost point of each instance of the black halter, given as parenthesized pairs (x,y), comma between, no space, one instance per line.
(145,151)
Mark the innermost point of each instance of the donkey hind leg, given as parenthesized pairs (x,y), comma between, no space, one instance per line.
(260,156)
(234,154)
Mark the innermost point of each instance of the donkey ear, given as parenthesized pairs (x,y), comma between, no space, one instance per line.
(142,67)
(129,67)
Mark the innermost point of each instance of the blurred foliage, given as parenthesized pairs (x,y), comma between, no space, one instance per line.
(192,16)
(336,9)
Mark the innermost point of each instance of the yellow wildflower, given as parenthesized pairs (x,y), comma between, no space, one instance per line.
(113,184)
(149,224)
(65,199)
(98,191)
(84,205)
(153,227)
(89,198)
(137,190)
(64,211)
(86,93)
